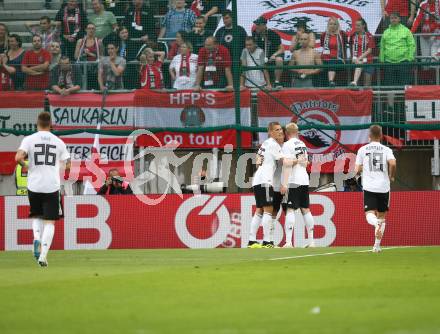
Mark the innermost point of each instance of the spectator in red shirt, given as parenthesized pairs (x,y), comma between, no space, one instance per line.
(36,66)
(151,69)
(333,43)
(427,21)
(362,45)
(397,6)
(214,66)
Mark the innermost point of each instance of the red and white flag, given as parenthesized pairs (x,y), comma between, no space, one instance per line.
(189,109)
(19,111)
(322,107)
(422,107)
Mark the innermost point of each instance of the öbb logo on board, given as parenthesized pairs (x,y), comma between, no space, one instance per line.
(201,221)
(210,206)
(231,224)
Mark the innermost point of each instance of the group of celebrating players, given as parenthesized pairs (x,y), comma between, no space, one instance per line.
(282,180)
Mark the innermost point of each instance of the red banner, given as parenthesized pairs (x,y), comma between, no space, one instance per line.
(189,109)
(208,221)
(322,107)
(211,139)
(422,107)
(18,111)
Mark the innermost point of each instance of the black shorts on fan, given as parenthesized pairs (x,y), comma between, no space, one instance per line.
(46,206)
(263,195)
(298,197)
(376,201)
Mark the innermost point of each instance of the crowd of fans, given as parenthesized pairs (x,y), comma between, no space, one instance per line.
(102,50)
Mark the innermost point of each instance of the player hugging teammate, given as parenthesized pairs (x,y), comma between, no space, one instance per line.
(281,172)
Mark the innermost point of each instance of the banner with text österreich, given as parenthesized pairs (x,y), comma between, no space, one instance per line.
(192,110)
(322,107)
(283,15)
(18,111)
(422,107)
(85,110)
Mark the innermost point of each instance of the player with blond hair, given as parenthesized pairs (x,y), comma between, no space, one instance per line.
(268,156)
(295,183)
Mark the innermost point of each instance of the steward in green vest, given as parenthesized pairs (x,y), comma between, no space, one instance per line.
(21,180)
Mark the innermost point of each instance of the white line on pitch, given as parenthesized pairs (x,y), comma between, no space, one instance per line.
(331,253)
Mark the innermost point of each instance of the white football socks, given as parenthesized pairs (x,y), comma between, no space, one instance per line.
(372,219)
(272,230)
(255,224)
(288,226)
(382,229)
(267,226)
(308,218)
(49,230)
(37,227)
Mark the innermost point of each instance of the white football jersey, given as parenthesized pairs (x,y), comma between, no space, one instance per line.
(270,153)
(45,151)
(374,158)
(277,177)
(296,148)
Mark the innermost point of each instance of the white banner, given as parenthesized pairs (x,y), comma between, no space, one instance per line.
(189,109)
(282,15)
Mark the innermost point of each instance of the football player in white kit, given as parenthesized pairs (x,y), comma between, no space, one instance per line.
(295,182)
(277,196)
(377,164)
(262,184)
(45,152)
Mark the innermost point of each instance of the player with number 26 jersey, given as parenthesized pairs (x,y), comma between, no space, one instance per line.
(45,151)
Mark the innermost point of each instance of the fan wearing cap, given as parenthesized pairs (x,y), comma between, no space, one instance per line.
(270,42)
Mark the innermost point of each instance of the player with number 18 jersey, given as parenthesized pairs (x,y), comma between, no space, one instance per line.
(377,164)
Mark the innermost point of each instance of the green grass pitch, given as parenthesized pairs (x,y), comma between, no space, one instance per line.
(224,291)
